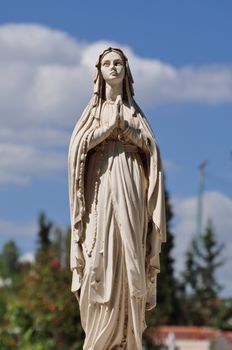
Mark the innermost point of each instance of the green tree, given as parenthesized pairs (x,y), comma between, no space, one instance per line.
(45,228)
(46,312)
(203,258)
(9,259)
(43,314)
(224,320)
(61,245)
(44,233)
(10,271)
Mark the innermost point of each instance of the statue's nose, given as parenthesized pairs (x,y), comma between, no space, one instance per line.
(112,66)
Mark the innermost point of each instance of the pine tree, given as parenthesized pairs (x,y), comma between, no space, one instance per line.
(45,227)
(203,258)
(9,259)
(45,246)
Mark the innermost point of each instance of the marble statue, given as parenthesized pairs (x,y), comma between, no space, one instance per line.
(117,210)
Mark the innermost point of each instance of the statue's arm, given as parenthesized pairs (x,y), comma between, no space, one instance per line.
(76,284)
(99,135)
(136,136)
(153,248)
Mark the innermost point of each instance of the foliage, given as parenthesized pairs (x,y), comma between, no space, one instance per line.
(203,258)
(224,319)
(43,314)
(45,227)
(9,260)
(47,312)
(148,343)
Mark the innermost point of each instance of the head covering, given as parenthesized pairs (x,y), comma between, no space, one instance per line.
(99,83)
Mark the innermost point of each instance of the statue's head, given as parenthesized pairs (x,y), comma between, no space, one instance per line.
(112,67)
(120,74)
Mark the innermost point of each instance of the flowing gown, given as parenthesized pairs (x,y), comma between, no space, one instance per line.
(113,290)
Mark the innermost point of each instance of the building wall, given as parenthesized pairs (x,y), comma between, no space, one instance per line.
(192,344)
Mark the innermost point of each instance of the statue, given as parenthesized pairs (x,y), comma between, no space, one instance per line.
(117,211)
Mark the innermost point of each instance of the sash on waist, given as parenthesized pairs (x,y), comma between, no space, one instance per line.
(127,147)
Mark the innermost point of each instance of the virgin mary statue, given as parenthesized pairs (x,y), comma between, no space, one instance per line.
(117,211)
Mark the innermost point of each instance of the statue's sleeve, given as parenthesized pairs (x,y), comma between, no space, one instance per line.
(99,135)
(138,137)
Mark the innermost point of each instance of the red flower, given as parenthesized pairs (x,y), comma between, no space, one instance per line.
(51,307)
(55,263)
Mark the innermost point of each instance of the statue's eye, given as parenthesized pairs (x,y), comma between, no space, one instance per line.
(106,64)
(118,63)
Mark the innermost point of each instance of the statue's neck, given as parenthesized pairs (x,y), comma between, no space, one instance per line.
(113,91)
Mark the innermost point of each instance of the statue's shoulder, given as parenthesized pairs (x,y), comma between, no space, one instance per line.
(126,107)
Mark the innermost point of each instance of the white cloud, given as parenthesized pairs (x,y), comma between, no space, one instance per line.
(161,83)
(17,229)
(20,163)
(218,208)
(24,234)
(27,257)
(47,79)
(47,76)
(42,137)
(37,44)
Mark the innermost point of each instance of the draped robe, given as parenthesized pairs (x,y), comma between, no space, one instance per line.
(117,226)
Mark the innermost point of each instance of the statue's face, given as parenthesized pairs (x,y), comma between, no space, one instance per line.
(112,68)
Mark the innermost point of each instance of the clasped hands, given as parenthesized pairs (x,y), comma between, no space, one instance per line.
(116,120)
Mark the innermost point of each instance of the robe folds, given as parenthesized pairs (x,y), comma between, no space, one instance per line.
(118,225)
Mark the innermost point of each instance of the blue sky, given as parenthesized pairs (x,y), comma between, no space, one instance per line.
(181,58)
